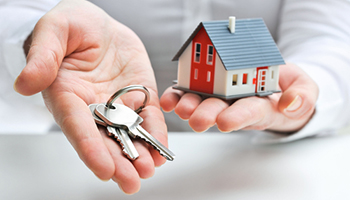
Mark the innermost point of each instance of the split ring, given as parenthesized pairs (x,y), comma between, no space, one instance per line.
(127,89)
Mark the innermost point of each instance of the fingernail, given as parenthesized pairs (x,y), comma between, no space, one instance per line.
(104,180)
(295,105)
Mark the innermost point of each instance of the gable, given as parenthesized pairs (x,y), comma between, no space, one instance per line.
(250,46)
(188,41)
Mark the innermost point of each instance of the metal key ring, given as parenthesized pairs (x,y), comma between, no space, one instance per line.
(127,89)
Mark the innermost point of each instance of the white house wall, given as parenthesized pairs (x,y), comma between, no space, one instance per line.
(220,77)
(272,84)
(271,81)
(184,68)
(240,88)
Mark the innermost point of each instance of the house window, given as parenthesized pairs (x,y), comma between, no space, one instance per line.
(197,53)
(245,79)
(195,74)
(234,79)
(272,74)
(208,76)
(210,55)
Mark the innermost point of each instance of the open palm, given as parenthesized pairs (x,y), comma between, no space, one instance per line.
(79,55)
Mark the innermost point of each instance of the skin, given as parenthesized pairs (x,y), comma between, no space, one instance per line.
(287,111)
(75,59)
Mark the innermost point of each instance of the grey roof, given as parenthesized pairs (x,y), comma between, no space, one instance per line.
(250,46)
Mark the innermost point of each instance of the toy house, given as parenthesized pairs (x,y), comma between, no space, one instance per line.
(229,59)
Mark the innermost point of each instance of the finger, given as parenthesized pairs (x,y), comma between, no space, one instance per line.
(76,121)
(187,105)
(125,173)
(144,164)
(170,98)
(206,113)
(154,123)
(254,112)
(300,92)
(45,56)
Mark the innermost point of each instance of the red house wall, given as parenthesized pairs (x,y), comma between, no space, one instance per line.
(202,73)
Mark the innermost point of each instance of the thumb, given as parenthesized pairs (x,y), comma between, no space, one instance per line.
(300,92)
(44,57)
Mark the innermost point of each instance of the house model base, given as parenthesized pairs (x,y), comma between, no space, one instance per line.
(229,59)
(231,97)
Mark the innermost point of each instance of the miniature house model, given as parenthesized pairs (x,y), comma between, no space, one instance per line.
(229,59)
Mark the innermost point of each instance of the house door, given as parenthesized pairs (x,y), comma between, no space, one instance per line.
(202,63)
(261,77)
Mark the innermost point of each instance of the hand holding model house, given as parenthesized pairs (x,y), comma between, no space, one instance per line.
(234,59)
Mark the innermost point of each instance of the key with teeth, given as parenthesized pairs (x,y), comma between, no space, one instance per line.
(120,134)
(123,117)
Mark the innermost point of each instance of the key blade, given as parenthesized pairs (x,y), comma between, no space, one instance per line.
(125,142)
(165,152)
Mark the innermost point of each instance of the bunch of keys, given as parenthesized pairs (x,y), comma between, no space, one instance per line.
(122,122)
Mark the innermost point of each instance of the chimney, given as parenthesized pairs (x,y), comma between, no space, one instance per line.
(232,24)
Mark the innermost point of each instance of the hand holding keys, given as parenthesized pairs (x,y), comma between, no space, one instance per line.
(122,122)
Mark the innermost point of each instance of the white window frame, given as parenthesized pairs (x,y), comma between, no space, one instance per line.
(208,76)
(210,55)
(195,74)
(197,52)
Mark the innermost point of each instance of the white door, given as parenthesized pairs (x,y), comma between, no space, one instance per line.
(261,86)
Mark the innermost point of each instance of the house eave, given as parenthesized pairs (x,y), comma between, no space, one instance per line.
(188,41)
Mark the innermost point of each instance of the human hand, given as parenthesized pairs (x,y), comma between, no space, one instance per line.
(283,112)
(79,55)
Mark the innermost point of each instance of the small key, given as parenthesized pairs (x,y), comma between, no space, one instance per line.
(124,117)
(120,134)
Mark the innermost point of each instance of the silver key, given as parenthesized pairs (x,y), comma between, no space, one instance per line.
(120,134)
(124,117)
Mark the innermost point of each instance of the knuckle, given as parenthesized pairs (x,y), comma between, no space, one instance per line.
(184,111)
